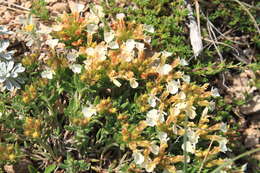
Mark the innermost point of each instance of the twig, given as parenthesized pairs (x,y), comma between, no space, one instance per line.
(250,6)
(208,40)
(14,9)
(223,35)
(198,14)
(211,35)
(15,5)
(205,158)
(234,159)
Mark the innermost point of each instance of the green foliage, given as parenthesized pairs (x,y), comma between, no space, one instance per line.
(72,166)
(168,19)
(40,10)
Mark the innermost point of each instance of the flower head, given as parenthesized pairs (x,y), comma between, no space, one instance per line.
(109,36)
(48,73)
(215,92)
(89,111)
(138,157)
(163,137)
(173,86)
(154,117)
(223,144)
(164,69)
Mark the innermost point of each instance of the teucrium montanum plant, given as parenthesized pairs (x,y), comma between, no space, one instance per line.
(113,83)
(168,97)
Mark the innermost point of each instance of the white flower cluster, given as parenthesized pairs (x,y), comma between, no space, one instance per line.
(8,69)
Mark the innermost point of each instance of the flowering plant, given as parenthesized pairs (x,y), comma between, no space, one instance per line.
(98,92)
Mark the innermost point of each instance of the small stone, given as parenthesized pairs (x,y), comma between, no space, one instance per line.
(253,106)
(59,7)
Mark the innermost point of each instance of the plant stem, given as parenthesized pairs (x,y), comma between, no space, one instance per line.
(234,159)
(47,148)
(185,145)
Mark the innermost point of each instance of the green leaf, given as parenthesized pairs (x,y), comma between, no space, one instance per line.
(32,169)
(50,168)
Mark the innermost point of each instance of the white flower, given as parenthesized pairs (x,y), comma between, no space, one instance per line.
(193,136)
(148,165)
(139,46)
(130,44)
(186,78)
(113,45)
(223,144)
(154,116)
(223,127)
(154,149)
(52,43)
(90,51)
(190,111)
(173,86)
(214,92)
(166,54)
(164,69)
(212,105)
(109,36)
(138,157)
(181,105)
(205,112)
(99,52)
(116,82)
(149,28)
(76,68)
(152,100)
(190,148)
(244,167)
(48,73)
(163,137)
(89,111)
(127,50)
(120,16)
(183,62)
(133,83)
(182,95)
(9,75)
(72,56)
(92,28)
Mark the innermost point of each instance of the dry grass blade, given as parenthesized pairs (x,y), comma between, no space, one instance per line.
(205,158)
